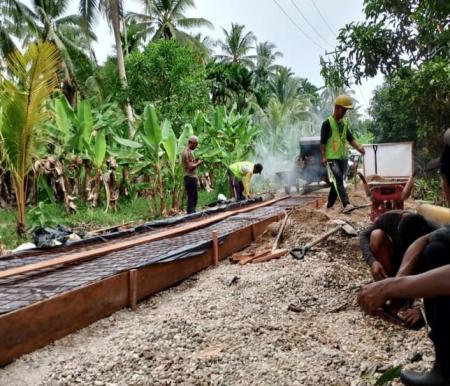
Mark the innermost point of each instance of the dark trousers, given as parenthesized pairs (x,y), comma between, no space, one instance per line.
(339,169)
(236,186)
(190,183)
(437,310)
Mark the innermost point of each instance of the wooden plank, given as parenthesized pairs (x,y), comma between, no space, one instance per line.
(101,251)
(274,255)
(253,257)
(35,326)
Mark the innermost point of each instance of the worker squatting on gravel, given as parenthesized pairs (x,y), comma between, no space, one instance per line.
(384,243)
(424,273)
(334,135)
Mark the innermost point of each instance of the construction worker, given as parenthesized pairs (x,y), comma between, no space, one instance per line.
(334,135)
(190,173)
(383,245)
(424,272)
(240,175)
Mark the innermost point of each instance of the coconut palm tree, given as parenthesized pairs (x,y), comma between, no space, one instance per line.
(22,112)
(7,44)
(165,19)
(237,45)
(46,21)
(284,85)
(113,9)
(266,57)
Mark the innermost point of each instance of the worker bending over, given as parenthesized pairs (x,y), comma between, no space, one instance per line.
(240,175)
(334,135)
(429,256)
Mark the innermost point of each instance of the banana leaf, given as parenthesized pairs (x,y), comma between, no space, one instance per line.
(169,143)
(152,129)
(99,149)
(187,132)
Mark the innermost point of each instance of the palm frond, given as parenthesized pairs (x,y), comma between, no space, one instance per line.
(22,102)
(88,11)
(195,22)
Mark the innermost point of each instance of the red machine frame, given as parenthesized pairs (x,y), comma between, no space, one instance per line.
(386,194)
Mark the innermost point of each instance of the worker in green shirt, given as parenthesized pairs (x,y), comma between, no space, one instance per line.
(334,135)
(240,175)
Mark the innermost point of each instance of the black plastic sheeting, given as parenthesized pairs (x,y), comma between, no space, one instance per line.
(45,237)
(150,225)
(29,288)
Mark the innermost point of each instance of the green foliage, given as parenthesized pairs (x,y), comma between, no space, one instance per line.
(414,105)
(230,83)
(237,45)
(167,20)
(395,34)
(39,217)
(389,375)
(428,188)
(170,76)
(225,136)
(22,112)
(393,111)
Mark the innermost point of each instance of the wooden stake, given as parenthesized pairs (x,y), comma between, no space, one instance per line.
(280,232)
(253,230)
(132,289)
(215,245)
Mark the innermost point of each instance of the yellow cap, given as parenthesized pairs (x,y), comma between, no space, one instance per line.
(344,101)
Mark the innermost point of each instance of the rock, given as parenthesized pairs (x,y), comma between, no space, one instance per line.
(228,280)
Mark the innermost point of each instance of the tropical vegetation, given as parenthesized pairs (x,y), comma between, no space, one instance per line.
(87,136)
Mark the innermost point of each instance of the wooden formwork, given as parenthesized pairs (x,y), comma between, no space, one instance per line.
(32,327)
(35,326)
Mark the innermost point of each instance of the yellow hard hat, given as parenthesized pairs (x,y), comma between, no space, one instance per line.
(344,101)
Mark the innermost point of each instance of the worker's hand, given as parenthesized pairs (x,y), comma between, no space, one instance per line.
(373,296)
(324,161)
(199,162)
(362,150)
(378,271)
(413,317)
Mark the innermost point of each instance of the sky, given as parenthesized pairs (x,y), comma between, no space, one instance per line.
(266,19)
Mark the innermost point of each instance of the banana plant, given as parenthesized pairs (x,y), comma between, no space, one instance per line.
(227,137)
(23,111)
(162,151)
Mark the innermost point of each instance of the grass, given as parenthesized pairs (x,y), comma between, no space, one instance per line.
(85,219)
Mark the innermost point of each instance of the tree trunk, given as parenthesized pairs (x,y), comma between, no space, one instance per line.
(19,188)
(115,20)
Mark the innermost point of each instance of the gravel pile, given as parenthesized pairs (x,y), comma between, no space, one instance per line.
(209,331)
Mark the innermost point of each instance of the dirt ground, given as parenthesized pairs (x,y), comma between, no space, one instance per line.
(206,331)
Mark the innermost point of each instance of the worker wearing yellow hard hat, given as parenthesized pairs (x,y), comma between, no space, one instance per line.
(334,135)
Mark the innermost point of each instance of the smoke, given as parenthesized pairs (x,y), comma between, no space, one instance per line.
(278,152)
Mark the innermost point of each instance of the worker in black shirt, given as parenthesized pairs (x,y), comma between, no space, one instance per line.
(424,272)
(334,135)
(385,241)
